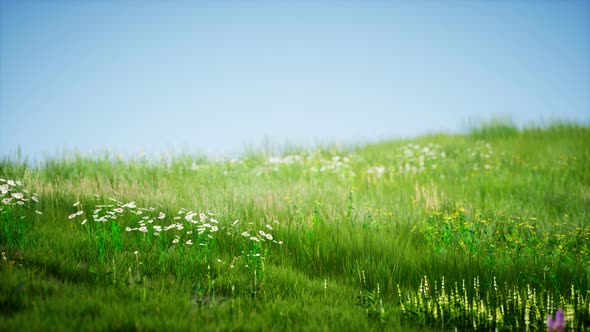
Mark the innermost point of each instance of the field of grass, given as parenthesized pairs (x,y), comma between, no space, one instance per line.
(484,231)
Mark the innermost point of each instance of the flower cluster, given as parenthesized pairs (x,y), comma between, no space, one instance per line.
(186,227)
(414,158)
(261,235)
(556,324)
(480,155)
(13,193)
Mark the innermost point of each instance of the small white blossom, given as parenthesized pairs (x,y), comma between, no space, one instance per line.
(130,205)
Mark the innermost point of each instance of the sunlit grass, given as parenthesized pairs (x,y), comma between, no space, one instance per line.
(483,231)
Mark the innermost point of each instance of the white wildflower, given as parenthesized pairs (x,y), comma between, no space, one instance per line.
(161,216)
(72,216)
(17,195)
(130,205)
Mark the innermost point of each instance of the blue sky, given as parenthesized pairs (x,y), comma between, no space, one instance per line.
(214,77)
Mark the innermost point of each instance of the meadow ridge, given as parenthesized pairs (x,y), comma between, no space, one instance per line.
(484,231)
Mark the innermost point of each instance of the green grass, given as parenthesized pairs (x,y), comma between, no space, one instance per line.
(483,231)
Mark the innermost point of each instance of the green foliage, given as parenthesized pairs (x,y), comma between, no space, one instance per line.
(332,239)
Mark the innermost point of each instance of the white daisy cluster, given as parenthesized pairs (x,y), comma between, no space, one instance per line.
(340,165)
(261,235)
(414,158)
(411,159)
(189,227)
(480,155)
(13,193)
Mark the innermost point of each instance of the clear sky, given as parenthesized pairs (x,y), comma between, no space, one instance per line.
(216,76)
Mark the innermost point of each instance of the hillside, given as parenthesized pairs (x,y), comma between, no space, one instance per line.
(479,231)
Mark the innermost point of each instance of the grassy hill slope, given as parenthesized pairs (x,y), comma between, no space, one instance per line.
(480,231)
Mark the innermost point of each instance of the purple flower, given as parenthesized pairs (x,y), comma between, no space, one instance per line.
(557,324)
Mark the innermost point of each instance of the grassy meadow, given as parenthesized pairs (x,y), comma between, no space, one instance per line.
(484,231)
